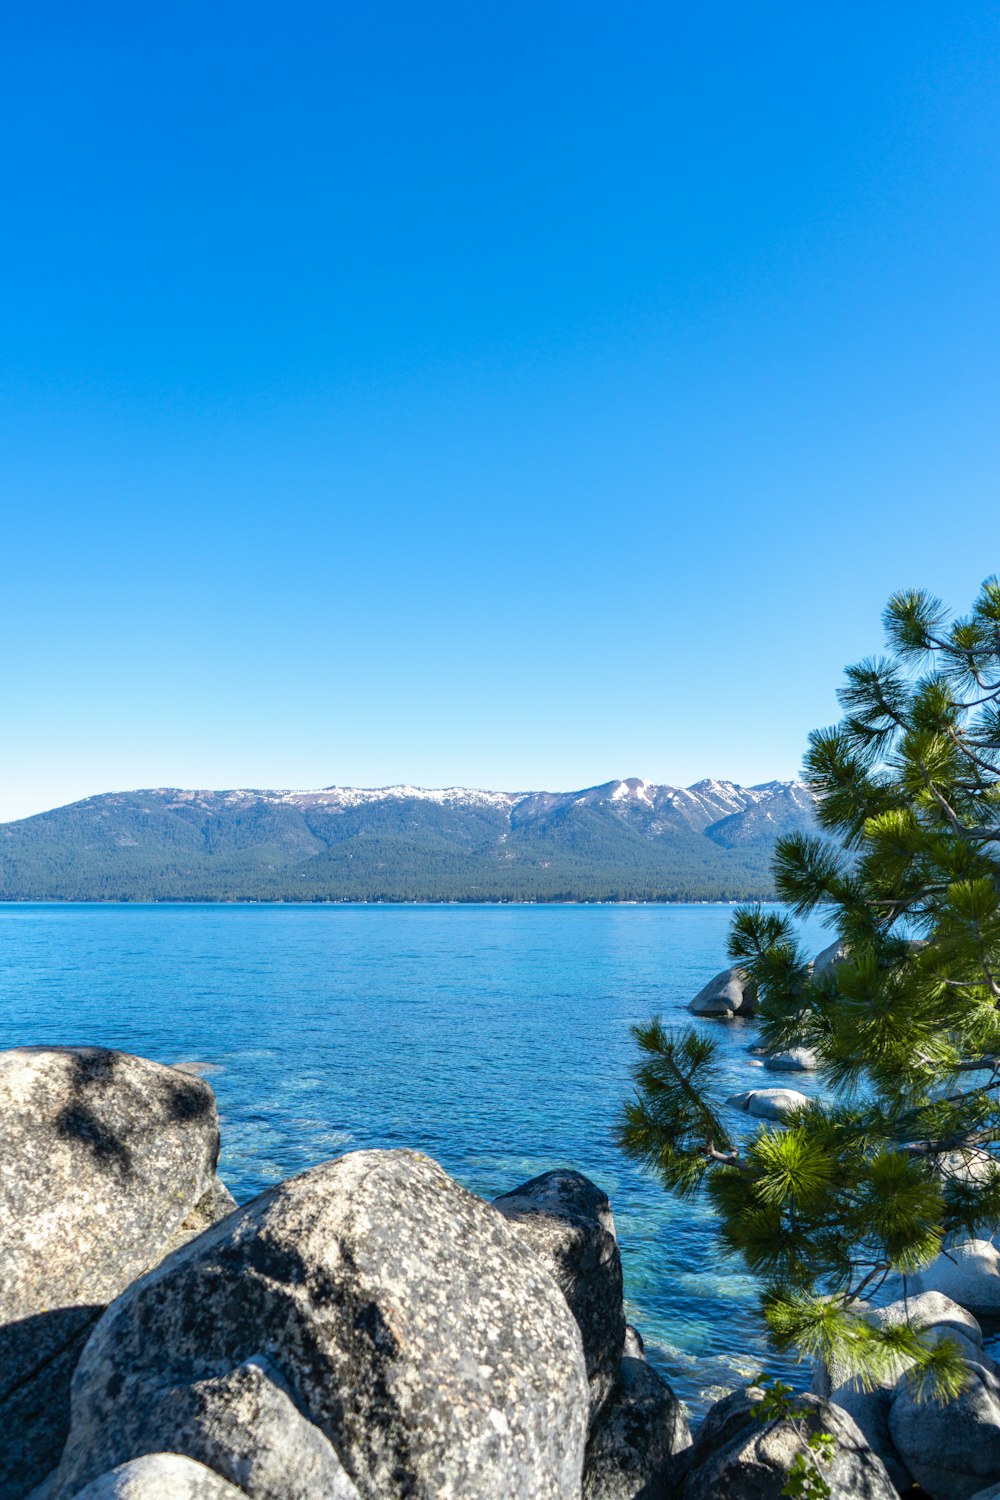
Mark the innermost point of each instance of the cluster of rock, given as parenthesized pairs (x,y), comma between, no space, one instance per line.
(367,1329)
(732,995)
(949,1451)
(729,994)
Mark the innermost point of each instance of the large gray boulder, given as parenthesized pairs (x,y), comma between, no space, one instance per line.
(567,1221)
(159,1476)
(246,1427)
(636,1438)
(731,993)
(405,1319)
(829,959)
(922,1441)
(107,1161)
(968,1273)
(768,1104)
(951,1450)
(737,1457)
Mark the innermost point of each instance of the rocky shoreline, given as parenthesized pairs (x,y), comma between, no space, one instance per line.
(369,1329)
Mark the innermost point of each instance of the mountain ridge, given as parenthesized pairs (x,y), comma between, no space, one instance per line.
(625,839)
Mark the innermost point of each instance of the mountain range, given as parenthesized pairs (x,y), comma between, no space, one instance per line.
(622,841)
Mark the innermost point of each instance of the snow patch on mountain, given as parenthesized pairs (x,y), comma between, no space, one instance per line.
(452,796)
(704,802)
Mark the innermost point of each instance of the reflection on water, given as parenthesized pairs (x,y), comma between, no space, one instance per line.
(494,1038)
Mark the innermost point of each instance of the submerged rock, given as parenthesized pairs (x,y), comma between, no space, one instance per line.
(567,1221)
(411,1326)
(731,993)
(636,1438)
(106,1158)
(737,1457)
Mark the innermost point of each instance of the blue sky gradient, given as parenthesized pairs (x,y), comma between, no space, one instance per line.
(514,396)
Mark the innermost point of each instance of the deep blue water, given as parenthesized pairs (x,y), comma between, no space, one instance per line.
(495,1038)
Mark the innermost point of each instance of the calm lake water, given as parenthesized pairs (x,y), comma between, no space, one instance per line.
(494,1038)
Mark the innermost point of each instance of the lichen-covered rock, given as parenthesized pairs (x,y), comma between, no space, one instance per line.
(731,993)
(636,1437)
(160,1476)
(567,1221)
(37,1358)
(737,1457)
(105,1158)
(768,1104)
(217,1203)
(411,1325)
(245,1426)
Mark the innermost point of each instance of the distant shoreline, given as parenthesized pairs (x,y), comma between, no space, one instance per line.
(189,901)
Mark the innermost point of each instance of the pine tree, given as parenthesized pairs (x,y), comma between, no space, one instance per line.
(902,1157)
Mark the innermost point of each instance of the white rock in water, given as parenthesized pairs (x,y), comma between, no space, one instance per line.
(731,993)
(795,1060)
(768,1104)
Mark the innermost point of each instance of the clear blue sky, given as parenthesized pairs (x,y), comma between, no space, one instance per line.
(516,395)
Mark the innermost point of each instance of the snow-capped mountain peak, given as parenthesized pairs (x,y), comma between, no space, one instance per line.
(626,839)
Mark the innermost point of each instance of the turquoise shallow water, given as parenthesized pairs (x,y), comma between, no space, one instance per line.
(494,1038)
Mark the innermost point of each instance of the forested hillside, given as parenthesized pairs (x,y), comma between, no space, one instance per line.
(623,841)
